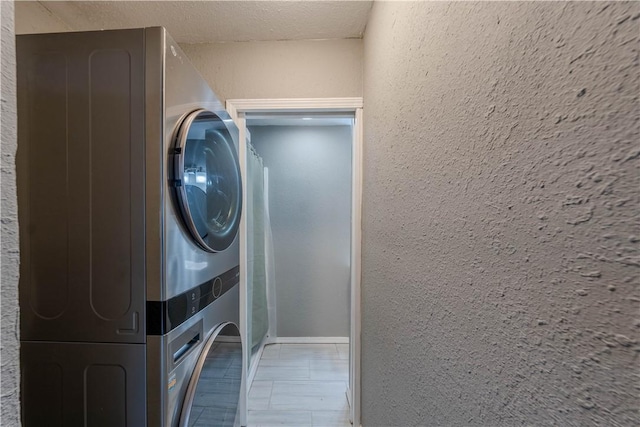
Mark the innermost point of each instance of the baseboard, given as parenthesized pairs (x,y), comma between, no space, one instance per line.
(309,340)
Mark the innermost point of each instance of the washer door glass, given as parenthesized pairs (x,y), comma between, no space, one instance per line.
(213,394)
(207,180)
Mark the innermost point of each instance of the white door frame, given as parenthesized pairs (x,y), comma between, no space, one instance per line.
(237,108)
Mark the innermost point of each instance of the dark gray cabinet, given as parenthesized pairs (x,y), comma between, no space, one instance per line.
(81,187)
(83,384)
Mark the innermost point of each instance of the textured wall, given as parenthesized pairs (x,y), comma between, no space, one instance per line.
(501,225)
(281,69)
(310,211)
(33,17)
(10,415)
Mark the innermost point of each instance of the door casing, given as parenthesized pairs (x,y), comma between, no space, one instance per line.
(237,109)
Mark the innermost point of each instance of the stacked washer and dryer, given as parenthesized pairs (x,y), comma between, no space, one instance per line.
(129,197)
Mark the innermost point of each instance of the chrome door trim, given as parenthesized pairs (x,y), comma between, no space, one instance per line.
(179,178)
(178,175)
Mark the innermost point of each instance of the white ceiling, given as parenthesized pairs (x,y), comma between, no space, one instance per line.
(219,21)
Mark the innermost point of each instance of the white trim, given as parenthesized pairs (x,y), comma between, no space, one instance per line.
(356,269)
(231,109)
(242,232)
(236,109)
(292,104)
(309,340)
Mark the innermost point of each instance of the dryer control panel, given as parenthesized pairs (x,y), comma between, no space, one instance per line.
(164,316)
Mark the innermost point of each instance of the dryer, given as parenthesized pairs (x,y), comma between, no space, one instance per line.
(129,197)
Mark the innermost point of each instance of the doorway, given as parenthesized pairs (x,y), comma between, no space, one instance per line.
(261,116)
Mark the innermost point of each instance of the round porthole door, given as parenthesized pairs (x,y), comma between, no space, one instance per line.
(213,393)
(207,180)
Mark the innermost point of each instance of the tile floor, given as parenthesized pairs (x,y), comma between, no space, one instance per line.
(301,385)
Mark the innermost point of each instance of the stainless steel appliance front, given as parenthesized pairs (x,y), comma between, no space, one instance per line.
(185,262)
(112,277)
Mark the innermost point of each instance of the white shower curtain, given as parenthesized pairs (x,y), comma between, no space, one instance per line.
(257,224)
(270,262)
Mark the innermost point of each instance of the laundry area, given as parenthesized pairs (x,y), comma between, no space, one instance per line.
(319,213)
(229,300)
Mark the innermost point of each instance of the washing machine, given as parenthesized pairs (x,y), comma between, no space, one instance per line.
(129,195)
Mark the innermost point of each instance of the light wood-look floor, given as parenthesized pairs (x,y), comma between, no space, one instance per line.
(301,385)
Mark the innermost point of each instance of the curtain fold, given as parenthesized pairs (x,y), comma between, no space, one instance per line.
(270,266)
(257,280)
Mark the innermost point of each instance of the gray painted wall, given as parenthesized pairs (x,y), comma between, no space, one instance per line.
(501,247)
(10,415)
(310,209)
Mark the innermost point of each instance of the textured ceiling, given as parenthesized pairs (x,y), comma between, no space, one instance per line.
(216,21)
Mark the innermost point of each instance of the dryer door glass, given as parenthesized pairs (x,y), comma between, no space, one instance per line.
(213,394)
(207,180)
